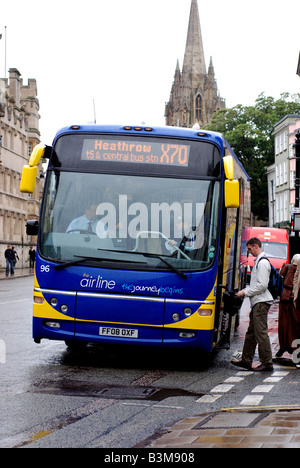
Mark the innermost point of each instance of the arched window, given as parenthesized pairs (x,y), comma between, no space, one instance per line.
(198,108)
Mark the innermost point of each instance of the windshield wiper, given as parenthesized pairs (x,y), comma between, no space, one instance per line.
(64,265)
(150,255)
(80,260)
(172,267)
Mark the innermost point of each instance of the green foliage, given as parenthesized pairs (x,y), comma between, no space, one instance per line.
(249,130)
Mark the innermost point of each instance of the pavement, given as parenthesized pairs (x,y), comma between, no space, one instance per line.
(241,427)
(233,429)
(19,273)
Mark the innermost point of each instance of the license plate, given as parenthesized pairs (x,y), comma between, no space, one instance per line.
(119,332)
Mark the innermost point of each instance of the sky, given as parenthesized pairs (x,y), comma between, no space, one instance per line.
(119,57)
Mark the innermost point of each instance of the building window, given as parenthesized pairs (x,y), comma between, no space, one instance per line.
(292,179)
(198,112)
(277,145)
(30,147)
(281,142)
(278,209)
(285,140)
(285,172)
(277,176)
(286,206)
(281,173)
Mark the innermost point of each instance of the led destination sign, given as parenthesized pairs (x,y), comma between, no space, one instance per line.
(138,152)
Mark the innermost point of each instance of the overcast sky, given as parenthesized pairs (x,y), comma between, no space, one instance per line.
(122,54)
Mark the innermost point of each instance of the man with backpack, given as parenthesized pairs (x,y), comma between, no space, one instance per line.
(261,300)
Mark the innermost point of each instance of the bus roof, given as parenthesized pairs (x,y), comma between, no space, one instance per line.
(174,132)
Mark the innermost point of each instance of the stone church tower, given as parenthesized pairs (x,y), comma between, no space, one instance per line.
(194,95)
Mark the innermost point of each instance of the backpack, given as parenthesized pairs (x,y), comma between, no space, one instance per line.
(275,285)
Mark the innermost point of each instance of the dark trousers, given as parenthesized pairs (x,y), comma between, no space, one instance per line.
(10,266)
(257,334)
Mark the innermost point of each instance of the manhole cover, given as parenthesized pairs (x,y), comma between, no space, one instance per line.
(231,420)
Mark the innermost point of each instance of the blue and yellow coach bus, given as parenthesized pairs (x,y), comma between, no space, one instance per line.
(138,237)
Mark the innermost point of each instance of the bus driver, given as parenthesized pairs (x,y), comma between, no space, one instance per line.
(88,222)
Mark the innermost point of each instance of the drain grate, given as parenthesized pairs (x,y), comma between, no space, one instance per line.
(231,421)
(128,393)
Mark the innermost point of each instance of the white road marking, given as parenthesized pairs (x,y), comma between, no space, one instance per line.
(262,389)
(252,400)
(234,380)
(273,379)
(222,388)
(208,398)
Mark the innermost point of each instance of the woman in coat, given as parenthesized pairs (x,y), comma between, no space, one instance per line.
(289,317)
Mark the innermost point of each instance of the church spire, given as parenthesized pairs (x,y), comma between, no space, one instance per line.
(194,60)
(194,95)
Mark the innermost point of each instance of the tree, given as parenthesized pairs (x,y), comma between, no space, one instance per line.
(249,130)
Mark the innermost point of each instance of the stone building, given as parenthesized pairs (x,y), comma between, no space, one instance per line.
(194,95)
(282,174)
(19,134)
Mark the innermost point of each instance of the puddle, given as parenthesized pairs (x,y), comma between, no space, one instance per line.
(112,392)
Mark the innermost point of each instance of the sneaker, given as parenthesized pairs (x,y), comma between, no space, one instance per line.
(237,356)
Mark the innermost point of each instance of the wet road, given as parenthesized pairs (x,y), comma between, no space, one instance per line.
(52,397)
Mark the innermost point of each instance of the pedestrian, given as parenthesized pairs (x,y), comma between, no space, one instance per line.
(296,288)
(296,292)
(261,300)
(289,319)
(16,257)
(32,257)
(10,259)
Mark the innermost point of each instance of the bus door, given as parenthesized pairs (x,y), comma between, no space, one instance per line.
(117,318)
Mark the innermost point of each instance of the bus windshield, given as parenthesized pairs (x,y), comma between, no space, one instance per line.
(133,221)
(275,250)
(271,249)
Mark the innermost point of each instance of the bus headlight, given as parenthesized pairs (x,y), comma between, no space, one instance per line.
(176,317)
(38,300)
(205,312)
(54,301)
(187,311)
(64,308)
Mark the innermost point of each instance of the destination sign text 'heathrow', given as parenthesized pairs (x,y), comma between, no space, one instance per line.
(138,152)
